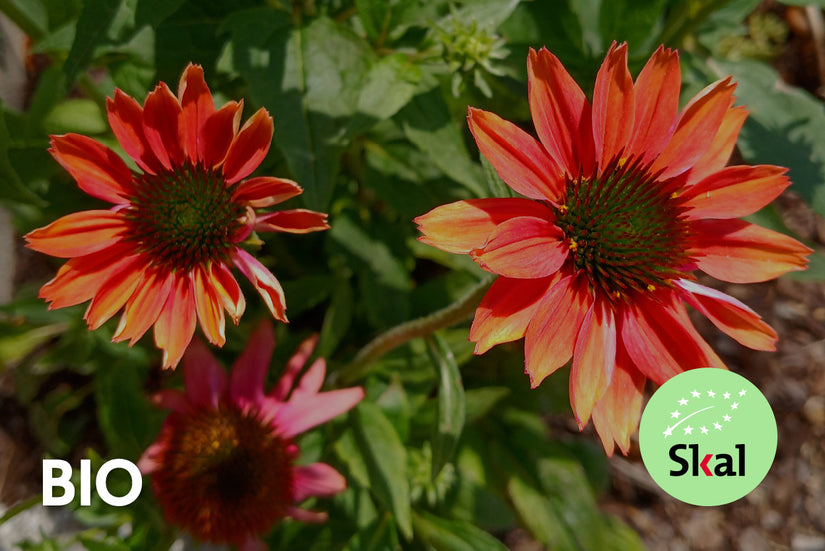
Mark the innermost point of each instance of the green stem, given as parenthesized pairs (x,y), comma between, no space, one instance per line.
(20,507)
(400,334)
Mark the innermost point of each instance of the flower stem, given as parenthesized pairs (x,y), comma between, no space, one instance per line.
(419,327)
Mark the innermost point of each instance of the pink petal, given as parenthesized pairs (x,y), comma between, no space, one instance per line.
(246,384)
(293,367)
(297,416)
(317,479)
(172,399)
(204,377)
(524,248)
(307,516)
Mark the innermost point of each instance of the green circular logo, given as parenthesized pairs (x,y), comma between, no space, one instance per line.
(708,436)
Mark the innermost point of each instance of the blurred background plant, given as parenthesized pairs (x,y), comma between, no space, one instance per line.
(448,451)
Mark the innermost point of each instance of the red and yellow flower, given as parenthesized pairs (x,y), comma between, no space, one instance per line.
(623,200)
(224,466)
(163,252)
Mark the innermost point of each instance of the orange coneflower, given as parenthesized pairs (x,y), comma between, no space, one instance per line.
(625,199)
(164,251)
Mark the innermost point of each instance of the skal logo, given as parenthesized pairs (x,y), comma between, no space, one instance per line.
(708,436)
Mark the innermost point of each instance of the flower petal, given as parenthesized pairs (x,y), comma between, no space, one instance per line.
(228,291)
(218,132)
(307,516)
(292,221)
(312,381)
(523,247)
(196,108)
(246,384)
(614,104)
(126,119)
(249,147)
(208,307)
(731,316)
(204,377)
(162,126)
(551,335)
(617,414)
(317,479)
(506,310)
(78,234)
(297,416)
(698,124)
(265,191)
(172,399)
(594,359)
(96,168)
(657,105)
(740,252)
(293,367)
(560,113)
(263,280)
(719,152)
(462,226)
(113,294)
(518,158)
(735,191)
(176,323)
(144,306)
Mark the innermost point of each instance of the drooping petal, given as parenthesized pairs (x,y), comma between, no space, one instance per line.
(735,191)
(246,384)
(657,105)
(561,113)
(196,105)
(551,335)
(176,323)
(661,340)
(297,416)
(719,152)
(203,376)
(523,247)
(519,159)
(208,307)
(163,126)
(462,226)
(78,234)
(506,310)
(249,147)
(698,125)
(292,221)
(227,290)
(144,306)
(730,316)
(614,105)
(263,280)
(126,119)
(617,414)
(97,169)
(114,293)
(740,252)
(317,479)
(218,132)
(293,367)
(265,191)
(594,359)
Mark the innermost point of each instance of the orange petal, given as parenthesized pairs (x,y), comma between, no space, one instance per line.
(732,317)
(208,307)
(523,247)
(249,147)
(551,335)
(219,130)
(113,294)
(506,310)
(126,119)
(661,340)
(613,106)
(616,415)
(735,191)
(560,113)
(292,221)
(144,307)
(96,168)
(228,291)
(266,191)
(462,226)
(263,280)
(698,125)
(740,252)
(519,159)
(162,126)
(196,108)
(78,234)
(657,105)
(176,323)
(594,359)
(719,152)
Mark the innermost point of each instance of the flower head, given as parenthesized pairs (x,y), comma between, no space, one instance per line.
(223,466)
(163,252)
(624,199)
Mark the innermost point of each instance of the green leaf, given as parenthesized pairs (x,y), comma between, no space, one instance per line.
(92,28)
(538,516)
(386,461)
(154,12)
(631,21)
(378,536)
(495,185)
(451,408)
(388,86)
(453,535)
(337,319)
(12,187)
(480,401)
(79,115)
(374,16)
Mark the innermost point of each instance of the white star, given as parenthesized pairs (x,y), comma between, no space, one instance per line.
(683,402)
(742,392)
(688,430)
(726,395)
(695,394)
(711,394)
(726,417)
(704,430)
(668,432)
(734,405)
(717,426)
(675,414)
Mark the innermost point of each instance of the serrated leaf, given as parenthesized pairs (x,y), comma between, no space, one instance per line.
(451,405)
(453,535)
(92,28)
